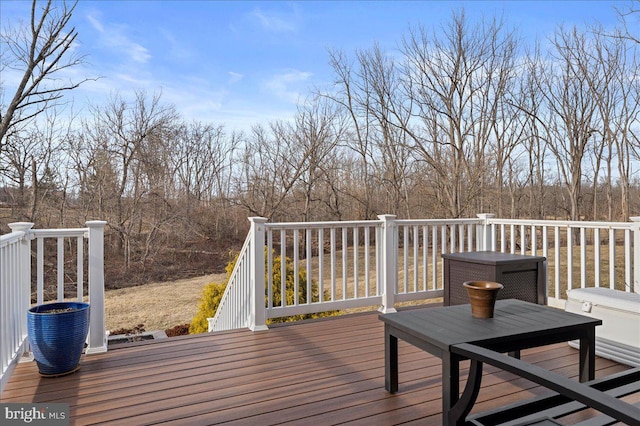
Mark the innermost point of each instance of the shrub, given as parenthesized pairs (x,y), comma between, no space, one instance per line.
(212,294)
(290,293)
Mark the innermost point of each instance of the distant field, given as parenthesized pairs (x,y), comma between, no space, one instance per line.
(163,305)
(158,305)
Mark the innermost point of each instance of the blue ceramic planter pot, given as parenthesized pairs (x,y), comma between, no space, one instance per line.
(57,334)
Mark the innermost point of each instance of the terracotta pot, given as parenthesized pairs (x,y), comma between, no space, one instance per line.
(482,296)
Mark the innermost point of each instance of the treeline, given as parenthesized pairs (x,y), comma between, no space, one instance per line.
(463,118)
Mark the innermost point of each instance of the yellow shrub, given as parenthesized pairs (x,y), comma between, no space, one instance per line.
(212,294)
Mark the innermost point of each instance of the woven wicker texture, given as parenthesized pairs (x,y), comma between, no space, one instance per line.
(518,284)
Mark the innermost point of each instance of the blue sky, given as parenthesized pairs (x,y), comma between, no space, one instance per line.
(241,63)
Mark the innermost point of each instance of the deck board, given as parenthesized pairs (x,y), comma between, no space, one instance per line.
(317,372)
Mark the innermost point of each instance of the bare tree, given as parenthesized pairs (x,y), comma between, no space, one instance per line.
(455,80)
(351,93)
(628,140)
(531,102)
(619,111)
(128,139)
(614,66)
(370,91)
(283,166)
(271,167)
(203,166)
(319,129)
(33,165)
(80,160)
(41,52)
(387,116)
(571,111)
(629,16)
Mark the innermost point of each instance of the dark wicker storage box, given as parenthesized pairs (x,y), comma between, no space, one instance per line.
(523,277)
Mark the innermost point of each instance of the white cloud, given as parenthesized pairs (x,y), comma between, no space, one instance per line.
(234,77)
(95,23)
(289,85)
(115,37)
(194,101)
(130,79)
(176,49)
(98,92)
(274,23)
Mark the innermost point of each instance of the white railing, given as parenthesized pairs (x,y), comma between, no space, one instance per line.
(579,254)
(15,283)
(235,308)
(353,264)
(15,294)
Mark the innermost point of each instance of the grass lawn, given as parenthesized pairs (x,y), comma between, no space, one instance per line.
(157,306)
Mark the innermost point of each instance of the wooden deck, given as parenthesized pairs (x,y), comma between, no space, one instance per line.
(317,372)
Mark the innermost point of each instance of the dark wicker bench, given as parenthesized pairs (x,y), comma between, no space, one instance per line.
(569,396)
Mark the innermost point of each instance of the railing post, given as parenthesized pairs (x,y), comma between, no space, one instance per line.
(258,320)
(389,263)
(484,235)
(24,273)
(97,332)
(636,253)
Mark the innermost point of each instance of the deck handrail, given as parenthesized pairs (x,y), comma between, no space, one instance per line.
(15,284)
(550,237)
(352,264)
(15,294)
(235,307)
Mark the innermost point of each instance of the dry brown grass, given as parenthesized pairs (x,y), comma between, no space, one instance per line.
(157,306)
(163,305)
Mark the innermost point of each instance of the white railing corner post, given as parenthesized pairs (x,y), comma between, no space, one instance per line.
(484,235)
(258,320)
(636,253)
(24,273)
(97,330)
(389,262)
